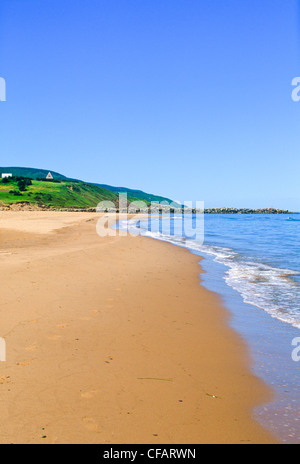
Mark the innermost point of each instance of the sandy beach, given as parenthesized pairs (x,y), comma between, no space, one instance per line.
(113,340)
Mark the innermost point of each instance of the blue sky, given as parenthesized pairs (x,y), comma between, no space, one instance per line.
(189,99)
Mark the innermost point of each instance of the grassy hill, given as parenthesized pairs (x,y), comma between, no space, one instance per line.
(60,194)
(139,194)
(64,192)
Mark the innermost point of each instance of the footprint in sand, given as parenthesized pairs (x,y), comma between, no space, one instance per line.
(85,318)
(54,338)
(94,311)
(89,394)
(24,363)
(4,380)
(90,424)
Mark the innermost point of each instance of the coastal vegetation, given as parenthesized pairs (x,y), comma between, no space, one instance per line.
(65,192)
(55,194)
(29,188)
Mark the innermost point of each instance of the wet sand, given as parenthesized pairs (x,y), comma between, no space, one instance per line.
(113,340)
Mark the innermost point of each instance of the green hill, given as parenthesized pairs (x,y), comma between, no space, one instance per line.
(69,193)
(58,194)
(61,192)
(139,194)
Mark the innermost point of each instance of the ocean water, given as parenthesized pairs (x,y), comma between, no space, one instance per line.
(253,262)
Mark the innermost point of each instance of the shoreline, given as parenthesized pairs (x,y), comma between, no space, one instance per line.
(113,340)
(35,207)
(269,341)
(268,338)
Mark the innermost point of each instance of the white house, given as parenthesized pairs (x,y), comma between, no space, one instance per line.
(4,175)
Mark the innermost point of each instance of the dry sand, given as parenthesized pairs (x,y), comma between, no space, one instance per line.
(113,340)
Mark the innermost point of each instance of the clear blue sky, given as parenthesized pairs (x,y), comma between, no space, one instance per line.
(189,99)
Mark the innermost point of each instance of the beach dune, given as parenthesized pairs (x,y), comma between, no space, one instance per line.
(113,340)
